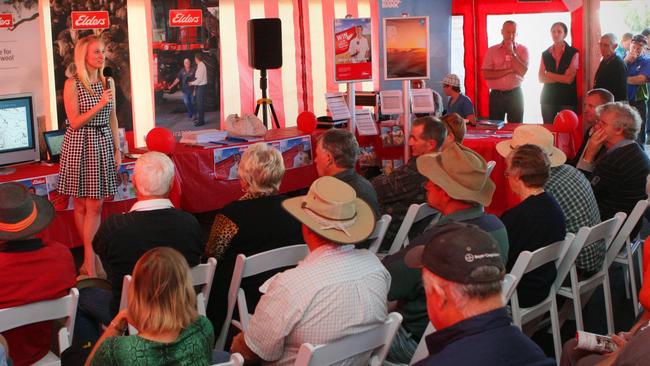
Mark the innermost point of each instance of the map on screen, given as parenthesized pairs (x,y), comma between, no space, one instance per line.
(14,128)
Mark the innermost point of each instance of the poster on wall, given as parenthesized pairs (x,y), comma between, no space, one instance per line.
(108,19)
(352,50)
(186,64)
(20,53)
(406,48)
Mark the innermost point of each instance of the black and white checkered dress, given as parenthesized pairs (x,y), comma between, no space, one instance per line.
(87,155)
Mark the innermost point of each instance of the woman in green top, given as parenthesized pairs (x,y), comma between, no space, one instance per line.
(162,306)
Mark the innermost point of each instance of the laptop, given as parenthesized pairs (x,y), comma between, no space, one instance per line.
(53,142)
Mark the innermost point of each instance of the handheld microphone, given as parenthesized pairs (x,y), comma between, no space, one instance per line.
(108,74)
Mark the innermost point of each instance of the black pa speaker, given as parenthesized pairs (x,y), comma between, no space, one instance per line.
(265,43)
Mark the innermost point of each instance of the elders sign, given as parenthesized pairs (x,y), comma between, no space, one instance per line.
(90,20)
(6,20)
(185,18)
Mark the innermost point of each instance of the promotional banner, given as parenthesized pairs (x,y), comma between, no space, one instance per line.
(107,19)
(186,59)
(20,54)
(406,48)
(352,50)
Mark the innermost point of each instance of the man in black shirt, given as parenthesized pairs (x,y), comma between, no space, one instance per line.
(612,73)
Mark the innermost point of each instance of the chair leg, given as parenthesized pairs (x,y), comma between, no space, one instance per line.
(632,275)
(608,305)
(557,334)
(577,309)
(626,280)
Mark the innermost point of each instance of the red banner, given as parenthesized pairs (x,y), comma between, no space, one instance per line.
(90,20)
(342,40)
(6,20)
(185,18)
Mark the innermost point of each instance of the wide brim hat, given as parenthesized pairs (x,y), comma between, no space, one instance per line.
(332,210)
(459,171)
(22,214)
(534,135)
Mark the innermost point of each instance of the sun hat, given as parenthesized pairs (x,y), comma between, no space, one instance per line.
(332,210)
(534,135)
(22,214)
(459,171)
(456,251)
(451,79)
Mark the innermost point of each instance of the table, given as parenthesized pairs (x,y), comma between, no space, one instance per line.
(201,190)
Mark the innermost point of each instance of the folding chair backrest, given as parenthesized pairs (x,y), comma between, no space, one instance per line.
(124,298)
(376,339)
(378,234)
(235,360)
(421,352)
(508,286)
(623,235)
(585,236)
(250,266)
(415,213)
(490,167)
(202,275)
(63,307)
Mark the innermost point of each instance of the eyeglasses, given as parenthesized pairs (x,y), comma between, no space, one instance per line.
(603,123)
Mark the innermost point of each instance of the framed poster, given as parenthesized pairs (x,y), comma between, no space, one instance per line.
(352,50)
(406,48)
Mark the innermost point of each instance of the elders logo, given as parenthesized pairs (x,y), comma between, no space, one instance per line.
(185,18)
(90,20)
(6,20)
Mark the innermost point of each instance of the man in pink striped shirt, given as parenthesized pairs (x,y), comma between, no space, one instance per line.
(504,67)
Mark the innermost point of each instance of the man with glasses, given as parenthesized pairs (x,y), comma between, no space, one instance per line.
(617,176)
(594,99)
(638,74)
(612,73)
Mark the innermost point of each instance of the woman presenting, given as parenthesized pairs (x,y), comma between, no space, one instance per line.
(90,154)
(558,73)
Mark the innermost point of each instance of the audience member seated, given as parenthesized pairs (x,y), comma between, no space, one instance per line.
(336,155)
(458,102)
(162,306)
(253,224)
(569,187)
(535,222)
(595,98)
(31,269)
(459,187)
(462,272)
(122,239)
(335,291)
(618,176)
(456,129)
(405,185)
(4,351)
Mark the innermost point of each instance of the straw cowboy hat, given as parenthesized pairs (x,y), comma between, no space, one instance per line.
(534,135)
(21,213)
(459,171)
(332,210)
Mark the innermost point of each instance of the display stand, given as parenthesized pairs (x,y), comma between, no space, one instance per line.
(406,95)
(353,105)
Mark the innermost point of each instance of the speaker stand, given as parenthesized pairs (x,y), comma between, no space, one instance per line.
(265,102)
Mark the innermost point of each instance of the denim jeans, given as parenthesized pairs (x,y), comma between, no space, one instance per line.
(92,311)
(189,103)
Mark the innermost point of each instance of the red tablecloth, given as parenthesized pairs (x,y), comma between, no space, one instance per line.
(201,191)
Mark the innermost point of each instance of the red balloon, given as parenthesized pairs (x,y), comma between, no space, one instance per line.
(161,139)
(306,122)
(565,121)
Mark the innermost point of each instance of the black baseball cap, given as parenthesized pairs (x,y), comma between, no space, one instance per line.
(456,251)
(640,38)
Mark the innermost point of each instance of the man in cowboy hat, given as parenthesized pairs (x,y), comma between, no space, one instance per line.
(335,291)
(569,187)
(31,270)
(459,187)
(462,271)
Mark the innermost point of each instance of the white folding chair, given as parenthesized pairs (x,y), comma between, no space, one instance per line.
(625,256)
(202,275)
(529,261)
(235,360)
(508,285)
(421,352)
(490,167)
(250,266)
(377,340)
(378,234)
(414,214)
(63,307)
(124,300)
(606,231)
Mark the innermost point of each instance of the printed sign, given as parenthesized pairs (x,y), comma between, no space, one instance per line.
(6,20)
(352,49)
(125,188)
(185,18)
(90,20)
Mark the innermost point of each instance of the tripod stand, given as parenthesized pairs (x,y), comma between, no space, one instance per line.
(264,102)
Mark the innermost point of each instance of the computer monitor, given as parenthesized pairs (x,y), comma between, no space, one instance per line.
(18,131)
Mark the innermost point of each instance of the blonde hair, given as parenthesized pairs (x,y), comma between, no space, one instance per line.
(161,296)
(80,50)
(262,168)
